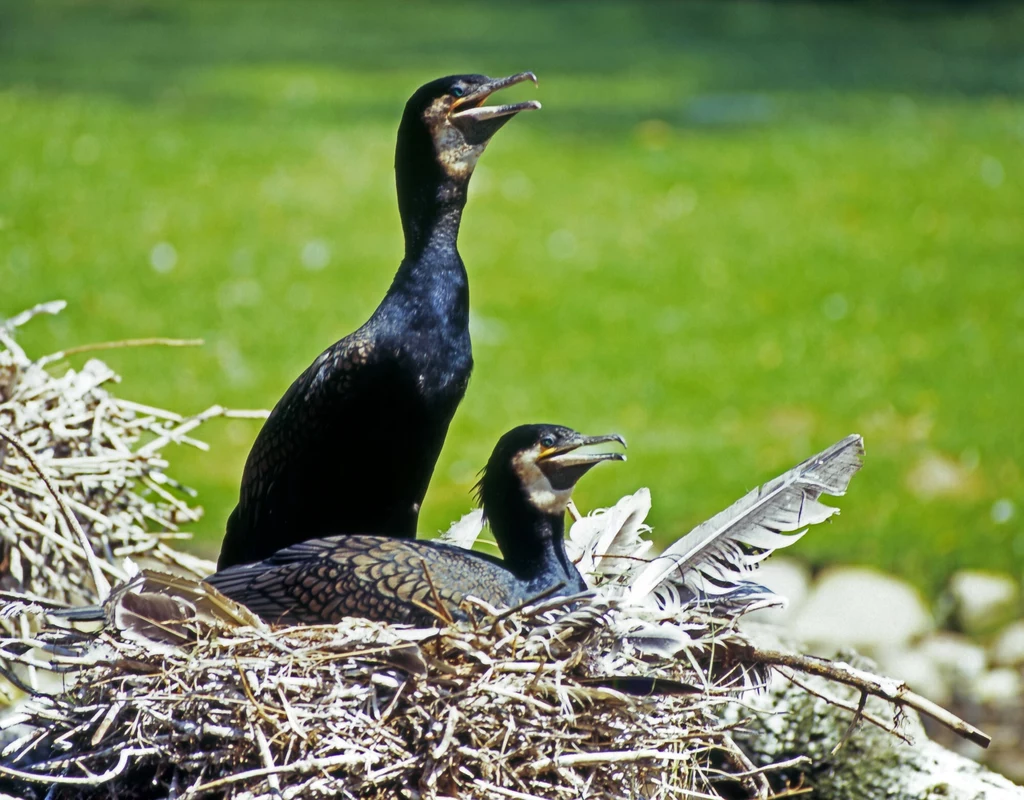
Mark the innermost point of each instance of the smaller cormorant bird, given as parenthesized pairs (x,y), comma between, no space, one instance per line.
(387,392)
(524,491)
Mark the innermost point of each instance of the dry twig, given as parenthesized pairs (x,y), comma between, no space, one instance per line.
(895,691)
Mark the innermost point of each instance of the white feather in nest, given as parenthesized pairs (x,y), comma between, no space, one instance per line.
(465,531)
(711,561)
(608,543)
(707,567)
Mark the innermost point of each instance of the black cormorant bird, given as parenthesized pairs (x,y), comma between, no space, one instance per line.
(524,492)
(386,393)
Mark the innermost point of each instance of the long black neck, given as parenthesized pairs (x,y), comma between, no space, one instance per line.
(431,288)
(430,199)
(431,206)
(532,543)
(432,270)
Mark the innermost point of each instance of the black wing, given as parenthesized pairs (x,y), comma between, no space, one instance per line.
(350,448)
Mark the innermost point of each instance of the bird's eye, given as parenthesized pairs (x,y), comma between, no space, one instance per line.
(548,441)
(458,91)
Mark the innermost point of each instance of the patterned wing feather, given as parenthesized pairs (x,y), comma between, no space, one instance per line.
(393,580)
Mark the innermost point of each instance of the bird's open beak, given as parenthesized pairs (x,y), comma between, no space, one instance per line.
(479,122)
(565,464)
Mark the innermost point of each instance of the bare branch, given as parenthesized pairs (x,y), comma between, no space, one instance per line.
(894,691)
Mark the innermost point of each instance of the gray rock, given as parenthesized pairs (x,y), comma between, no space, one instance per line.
(1008,650)
(860,608)
(982,601)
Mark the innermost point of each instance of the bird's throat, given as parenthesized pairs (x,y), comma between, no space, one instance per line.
(431,216)
(533,548)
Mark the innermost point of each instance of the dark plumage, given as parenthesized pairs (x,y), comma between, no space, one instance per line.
(351,446)
(524,491)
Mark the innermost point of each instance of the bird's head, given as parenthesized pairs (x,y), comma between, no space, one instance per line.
(541,464)
(446,120)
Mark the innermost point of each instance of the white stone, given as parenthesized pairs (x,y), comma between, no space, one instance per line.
(1008,650)
(860,608)
(998,686)
(959,660)
(932,771)
(982,600)
(787,578)
(918,671)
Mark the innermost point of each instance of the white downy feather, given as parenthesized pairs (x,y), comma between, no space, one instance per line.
(464,532)
(662,639)
(714,557)
(605,543)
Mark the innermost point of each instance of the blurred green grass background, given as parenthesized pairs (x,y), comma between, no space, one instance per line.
(736,233)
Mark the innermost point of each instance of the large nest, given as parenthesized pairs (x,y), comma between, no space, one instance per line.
(518,705)
(182,693)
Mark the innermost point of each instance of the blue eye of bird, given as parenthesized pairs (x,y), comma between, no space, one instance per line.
(458,91)
(548,441)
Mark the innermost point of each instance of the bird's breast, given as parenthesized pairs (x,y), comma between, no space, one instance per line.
(442,364)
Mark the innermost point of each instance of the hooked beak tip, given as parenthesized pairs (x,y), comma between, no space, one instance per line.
(608,437)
